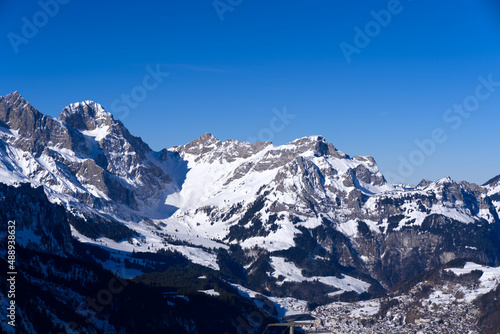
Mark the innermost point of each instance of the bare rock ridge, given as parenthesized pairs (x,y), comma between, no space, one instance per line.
(35,130)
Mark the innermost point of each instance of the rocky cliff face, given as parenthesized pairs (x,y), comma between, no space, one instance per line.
(83,157)
(303,212)
(493,189)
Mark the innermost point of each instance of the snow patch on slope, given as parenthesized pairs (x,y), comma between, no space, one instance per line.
(98,133)
(285,306)
(294,274)
(489,280)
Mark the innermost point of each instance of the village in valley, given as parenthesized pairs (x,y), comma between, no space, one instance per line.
(446,306)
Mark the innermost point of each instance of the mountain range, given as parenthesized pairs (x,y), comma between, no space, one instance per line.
(302,220)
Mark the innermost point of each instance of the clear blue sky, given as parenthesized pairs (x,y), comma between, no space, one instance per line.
(227,76)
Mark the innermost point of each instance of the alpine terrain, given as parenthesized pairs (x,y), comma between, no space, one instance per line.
(254,231)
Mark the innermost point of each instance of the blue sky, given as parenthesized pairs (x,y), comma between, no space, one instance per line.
(226,76)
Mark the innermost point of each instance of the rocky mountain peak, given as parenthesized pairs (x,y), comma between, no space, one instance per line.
(445,180)
(35,131)
(424,183)
(206,143)
(443,184)
(318,146)
(92,120)
(12,96)
(86,115)
(207,137)
(16,111)
(493,181)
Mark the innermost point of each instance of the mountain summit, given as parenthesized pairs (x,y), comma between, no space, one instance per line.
(84,157)
(86,115)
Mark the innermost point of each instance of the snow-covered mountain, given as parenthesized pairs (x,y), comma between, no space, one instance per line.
(84,158)
(303,213)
